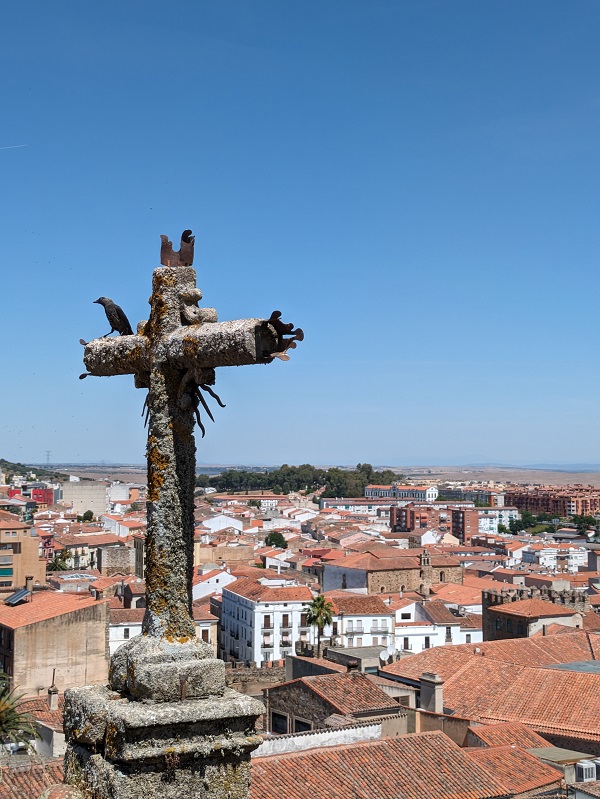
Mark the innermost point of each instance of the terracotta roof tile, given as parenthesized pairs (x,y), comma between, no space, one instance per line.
(44,605)
(40,710)
(358,604)
(349,693)
(508,734)
(28,782)
(424,766)
(257,592)
(532,609)
(517,769)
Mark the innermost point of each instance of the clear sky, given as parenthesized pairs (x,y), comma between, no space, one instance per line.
(413,182)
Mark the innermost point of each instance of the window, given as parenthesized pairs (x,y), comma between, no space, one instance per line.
(359,642)
(384,640)
(406,644)
(405,615)
(350,641)
(285,620)
(302,726)
(205,636)
(376,641)
(509,626)
(267,622)
(279,723)
(427,642)
(468,638)
(303,622)
(125,632)
(498,624)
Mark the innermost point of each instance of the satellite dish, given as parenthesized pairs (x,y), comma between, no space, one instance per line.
(391,651)
(383,656)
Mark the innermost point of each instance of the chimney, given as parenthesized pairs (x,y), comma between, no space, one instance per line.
(29,582)
(53,694)
(432,697)
(352,666)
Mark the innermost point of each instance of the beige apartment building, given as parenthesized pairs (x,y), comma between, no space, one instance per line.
(19,555)
(51,630)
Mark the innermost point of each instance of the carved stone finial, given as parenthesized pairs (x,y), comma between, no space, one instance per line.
(185,256)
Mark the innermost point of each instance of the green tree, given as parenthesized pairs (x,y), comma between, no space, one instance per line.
(319,614)
(254,503)
(136,506)
(88,516)
(58,562)
(583,522)
(15,725)
(503,529)
(275,539)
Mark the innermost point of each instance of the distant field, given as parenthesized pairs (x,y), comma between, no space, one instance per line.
(501,474)
(135,473)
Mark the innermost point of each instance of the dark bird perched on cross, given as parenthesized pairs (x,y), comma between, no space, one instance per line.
(116,317)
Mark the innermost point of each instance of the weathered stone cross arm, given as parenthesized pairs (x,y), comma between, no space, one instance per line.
(205,345)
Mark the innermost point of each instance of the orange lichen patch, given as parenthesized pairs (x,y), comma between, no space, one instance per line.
(157,463)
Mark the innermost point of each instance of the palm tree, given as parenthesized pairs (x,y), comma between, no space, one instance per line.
(58,562)
(15,725)
(319,614)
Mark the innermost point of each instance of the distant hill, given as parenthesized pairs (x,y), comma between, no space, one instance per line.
(10,468)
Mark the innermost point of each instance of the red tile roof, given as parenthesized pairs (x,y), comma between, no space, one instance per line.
(532,609)
(424,766)
(518,770)
(43,605)
(346,693)
(492,685)
(358,604)
(257,592)
(28,782)
(40,710)
(508,734)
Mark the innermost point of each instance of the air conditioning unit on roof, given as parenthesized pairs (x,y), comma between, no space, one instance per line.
(585,771)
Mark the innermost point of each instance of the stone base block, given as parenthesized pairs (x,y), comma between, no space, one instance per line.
(191,749)
(215,778)
(153,669)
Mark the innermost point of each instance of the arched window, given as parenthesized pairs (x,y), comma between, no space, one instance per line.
(382,589)
(442,577)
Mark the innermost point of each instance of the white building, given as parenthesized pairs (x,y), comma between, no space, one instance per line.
(423,625)
(210,582)
(222,522)
(394,491)
(126,623)
(359,620)
(557,557)
(261,622)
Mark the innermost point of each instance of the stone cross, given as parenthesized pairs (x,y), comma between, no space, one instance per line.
(174,355)
(166,726)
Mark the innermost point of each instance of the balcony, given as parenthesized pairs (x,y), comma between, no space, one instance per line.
(376,629)
(266,645)
(268,628)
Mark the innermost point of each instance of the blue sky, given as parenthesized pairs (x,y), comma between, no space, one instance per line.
(414,182)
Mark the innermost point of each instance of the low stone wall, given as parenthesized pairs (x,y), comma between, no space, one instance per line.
(300,741)
(251,680)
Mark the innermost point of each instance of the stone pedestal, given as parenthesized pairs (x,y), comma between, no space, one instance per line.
(165,727)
